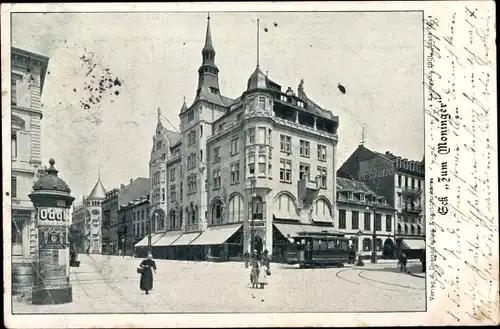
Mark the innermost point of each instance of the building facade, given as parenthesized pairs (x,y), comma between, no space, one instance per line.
(165,153)
(87,220)
(401,182)
(28,71)
(117,231)
(254,168)
(135,215)
(362,216)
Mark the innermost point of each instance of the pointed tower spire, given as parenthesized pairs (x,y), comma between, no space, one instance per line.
(208,73)
(184,106)
(208,36)
(159,113)
(258,40)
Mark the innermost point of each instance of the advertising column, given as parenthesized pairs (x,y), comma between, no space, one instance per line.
(52,200)
(53,284)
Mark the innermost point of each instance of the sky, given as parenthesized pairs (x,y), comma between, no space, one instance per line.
(376,56)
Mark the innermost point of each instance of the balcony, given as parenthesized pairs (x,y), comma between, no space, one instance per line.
(413,209)
(307,190)
(411,190)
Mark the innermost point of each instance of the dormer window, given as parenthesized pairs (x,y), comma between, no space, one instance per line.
(349,195)
(361,197)
(384,201)
(300,103)
(214,90)
(338,195)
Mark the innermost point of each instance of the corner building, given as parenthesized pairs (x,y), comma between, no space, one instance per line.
(401,182)
(261,164)
(28,73)
(87,220)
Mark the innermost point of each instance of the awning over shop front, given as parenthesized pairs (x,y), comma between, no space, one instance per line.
(289,230)
(319,229)
(216,235)
(185,239)
(413,244)
(144,242)
(286,215)
(167,239)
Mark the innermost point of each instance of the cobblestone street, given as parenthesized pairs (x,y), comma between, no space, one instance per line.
(104,284)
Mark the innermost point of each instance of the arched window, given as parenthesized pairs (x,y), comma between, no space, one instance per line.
(406,229)
(286,204)
(419,229)
(217,212)
(322,211)
(188,215)
(399,228)
(194,210)
(367,244)
(180,219)
(236,211)
(412,228)
(172,220)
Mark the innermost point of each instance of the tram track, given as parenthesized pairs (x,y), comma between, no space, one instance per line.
(390,284)
(107,282)
(360,283)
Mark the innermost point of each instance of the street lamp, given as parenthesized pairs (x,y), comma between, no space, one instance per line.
(252,229)
(374,234)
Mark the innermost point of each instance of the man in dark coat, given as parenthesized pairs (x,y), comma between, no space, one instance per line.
(402,262)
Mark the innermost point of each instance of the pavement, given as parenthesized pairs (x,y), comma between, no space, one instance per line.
(110,284)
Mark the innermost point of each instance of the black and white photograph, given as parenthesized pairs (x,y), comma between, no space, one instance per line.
(218,161)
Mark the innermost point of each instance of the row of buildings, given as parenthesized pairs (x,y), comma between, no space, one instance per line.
(263,164)
(28,72)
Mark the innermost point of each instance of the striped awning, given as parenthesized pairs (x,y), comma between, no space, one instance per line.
(289,230)
(413,244)
(185,239)
(216,235)
(144,241)
(167,239)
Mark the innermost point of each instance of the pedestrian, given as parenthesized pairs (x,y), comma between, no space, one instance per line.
(254,272)
(147,274)
(246,257)
(422,260)
(402,262)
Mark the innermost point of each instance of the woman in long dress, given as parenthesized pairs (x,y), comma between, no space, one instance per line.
(264,267)
(148,266)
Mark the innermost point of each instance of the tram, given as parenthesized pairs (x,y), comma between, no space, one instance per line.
(318,249)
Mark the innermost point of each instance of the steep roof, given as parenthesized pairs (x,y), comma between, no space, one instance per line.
(312,106)
(98,192)
(217,99)
(138,188)
(173,137)
(350,185)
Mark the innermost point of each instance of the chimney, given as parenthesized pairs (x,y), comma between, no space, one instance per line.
(131,180)
(387,153)
(122,186)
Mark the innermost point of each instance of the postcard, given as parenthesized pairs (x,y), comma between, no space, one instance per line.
(279,164)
